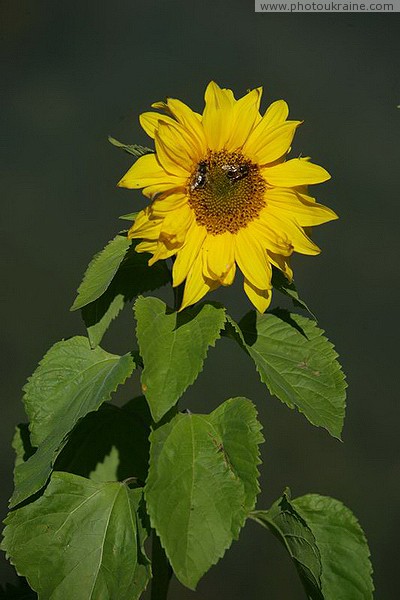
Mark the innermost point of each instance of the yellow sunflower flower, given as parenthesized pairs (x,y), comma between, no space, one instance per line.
(223,193)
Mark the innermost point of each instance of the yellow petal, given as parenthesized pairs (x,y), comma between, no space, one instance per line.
(190,121)
(218,254)
(274,116)
(296,171)
(217,116)
(148,171)
(230,276)
(176,224)
(164,250)
(272,144)
(150,120)
(196,285)
(282,263)
(302,208)
(167,203)
(153,191)
(299,240)
(269,238)
(188,253)
(145,226)
(147,246)
(252,259)
(244,116)
(175,150)
(276,113)
(261,299)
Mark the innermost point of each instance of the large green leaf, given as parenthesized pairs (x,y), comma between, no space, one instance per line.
(297,363)
(70,381)
(101,270)
(173,347)
(346,567)
(202,484)
(80,540)
(326,544)
(109,445)
(133,277)
(294,533)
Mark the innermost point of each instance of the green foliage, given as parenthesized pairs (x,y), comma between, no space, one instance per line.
(133,149)
(326,544)
(287,525)
(202,484)
(297,363)
(101,271)
(132,277)
(80,540)
(287,288)
(70,381)
(173,347)
(346,566)
(195,476)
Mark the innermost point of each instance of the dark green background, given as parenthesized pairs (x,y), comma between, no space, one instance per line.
(74,72)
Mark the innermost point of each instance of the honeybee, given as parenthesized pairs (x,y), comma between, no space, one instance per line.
(236,172)
(200,177)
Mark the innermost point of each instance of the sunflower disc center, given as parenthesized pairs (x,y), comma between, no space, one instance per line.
(226,192)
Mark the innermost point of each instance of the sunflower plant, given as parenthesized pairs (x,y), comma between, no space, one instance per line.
(107,497)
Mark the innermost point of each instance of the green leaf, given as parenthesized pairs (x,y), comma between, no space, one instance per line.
(70,381)
(133,149)
(326,544)
(290,528)
(129,216)
(173,347)
(346,566)
(101,271)
(286,287)
(202,484)
(297,363)
(133,277)
(109,445)
(80,540)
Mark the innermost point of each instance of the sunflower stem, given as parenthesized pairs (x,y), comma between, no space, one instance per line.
(162,571)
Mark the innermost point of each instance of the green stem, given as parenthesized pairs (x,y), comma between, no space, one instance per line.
(162,571)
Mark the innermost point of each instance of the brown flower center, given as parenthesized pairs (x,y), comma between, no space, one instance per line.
(226,192)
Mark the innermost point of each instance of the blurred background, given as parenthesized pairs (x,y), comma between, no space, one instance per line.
(74,72)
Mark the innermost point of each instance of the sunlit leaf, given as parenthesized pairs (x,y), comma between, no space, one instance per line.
(346,567)
(133,277)
(202,484)
(80,540)
(297,363)
(173,347)
(101,271)
(70,381)
(326,544)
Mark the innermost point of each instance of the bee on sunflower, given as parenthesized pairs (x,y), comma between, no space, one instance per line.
(223,193)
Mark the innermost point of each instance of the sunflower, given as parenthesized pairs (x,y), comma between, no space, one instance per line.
(223,193)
